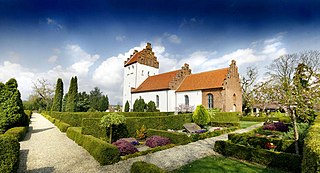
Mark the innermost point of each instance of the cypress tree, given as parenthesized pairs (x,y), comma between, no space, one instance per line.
(57,101)
(127,107)
(72,95)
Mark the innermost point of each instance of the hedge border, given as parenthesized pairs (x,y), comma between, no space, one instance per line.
(144,167)
(196,137)
(151,150)
(102,151)
(264,119)
(9,153)
(175,137)
(311,148)
(17,132)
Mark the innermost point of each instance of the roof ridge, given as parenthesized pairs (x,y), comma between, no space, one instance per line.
(210,71)
(165,73)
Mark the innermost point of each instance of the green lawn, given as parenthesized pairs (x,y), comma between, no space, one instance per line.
(215,164)
(245,124)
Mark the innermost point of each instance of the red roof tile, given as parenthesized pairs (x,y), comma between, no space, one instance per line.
(133,59)
(205,80)
(156,82)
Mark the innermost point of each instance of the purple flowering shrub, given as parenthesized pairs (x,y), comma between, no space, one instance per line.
(125,147)
(279,126)
(155,141)
(200,131)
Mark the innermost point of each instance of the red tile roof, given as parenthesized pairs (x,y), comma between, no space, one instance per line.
(156,82)
(205,80)
(133,59)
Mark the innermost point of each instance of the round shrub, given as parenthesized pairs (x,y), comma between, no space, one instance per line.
(155,141)
(280,126)
(201,116)
(125,147)
(269,127)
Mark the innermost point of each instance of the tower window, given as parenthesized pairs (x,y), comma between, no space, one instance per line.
(148,73)
(142,73)
(186,100)
(157,101)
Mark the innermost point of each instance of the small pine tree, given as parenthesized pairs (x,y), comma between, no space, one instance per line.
(201,116)
(72,95)
(57,101)
(139,105)
(127,107)
(151,107)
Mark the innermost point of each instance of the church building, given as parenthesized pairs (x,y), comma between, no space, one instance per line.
(180,88)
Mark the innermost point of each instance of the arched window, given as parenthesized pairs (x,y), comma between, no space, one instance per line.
(210,100)
(234,98)
(157,101)
(142,73)
(186,100)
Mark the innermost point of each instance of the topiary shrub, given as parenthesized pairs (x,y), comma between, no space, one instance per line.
(155,141)
(9,154)
(201,116)
(125,147)
(144,167)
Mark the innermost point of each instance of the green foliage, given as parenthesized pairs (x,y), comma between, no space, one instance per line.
(98,101)
(201,116)
(90,126)
(102,151)
(144,167)
(151,107)
(63,127)
(284,119)
(127,107)
(150,150)
(71,104)
(311,148)
(64,102)
(302,131)
(110,120)
(139,105)
(11,107)
(103,103)
(285,161)
(17,132)
(9,154)
(196,137)
(58,96)
(141,133)
(83,103)
(175,137)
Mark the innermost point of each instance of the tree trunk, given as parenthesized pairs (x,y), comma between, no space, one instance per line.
(296,134)
(110,136)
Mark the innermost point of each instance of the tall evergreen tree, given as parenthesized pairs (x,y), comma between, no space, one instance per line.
(95,96)
(127,107)
(83,104)
(72,95)
(64,102)
(57,100)
(103,103)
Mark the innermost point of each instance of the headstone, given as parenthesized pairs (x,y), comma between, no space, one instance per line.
(192,127)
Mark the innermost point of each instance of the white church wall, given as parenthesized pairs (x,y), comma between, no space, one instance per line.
(143,72)
(195,98)
(166,99)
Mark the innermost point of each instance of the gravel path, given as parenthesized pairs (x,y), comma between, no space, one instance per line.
(47,150)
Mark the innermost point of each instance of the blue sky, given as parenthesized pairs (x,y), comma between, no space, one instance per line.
(51,38)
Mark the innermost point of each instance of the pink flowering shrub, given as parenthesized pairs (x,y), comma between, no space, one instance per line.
(155,141)
(125,147)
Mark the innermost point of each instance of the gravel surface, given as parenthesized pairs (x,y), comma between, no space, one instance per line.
(47,150)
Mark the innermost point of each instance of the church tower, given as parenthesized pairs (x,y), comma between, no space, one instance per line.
(137,69)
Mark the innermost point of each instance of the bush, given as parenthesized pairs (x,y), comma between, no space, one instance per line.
(155,141)
(278,126)
(144,167)
(90,126)
(311,148)
(175,137)
(125,147)
(17,132)
(61,125)
(9,154)
(151,107)
(225,117)
(201,116)
(284,119)
(285,161)
(102,151)
(196,137)
(148,151)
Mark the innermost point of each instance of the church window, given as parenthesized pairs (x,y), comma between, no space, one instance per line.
(142,73)
(148,73)
(210,100)
(186,100)
(157,101)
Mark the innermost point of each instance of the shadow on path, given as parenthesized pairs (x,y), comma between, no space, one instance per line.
(23,161)
(42,170)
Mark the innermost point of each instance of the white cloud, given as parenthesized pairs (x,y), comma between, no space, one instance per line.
(53,22)
(120,37)
(52,59)
(172,38)
(189,22)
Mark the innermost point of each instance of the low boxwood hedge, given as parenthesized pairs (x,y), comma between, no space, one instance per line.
(148,151)
(90,126)
(144,167)
(263,119)
(17,132)
(102,151)
(61,125)
(175,137)
(285,161)
(196,137)
(311,148)
(9,154)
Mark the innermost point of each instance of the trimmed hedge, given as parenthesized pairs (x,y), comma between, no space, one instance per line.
(17,132)
(102,151)
(61,125)
(285,161)
(144,167)
(226,117)
(196,137)
(148,151)
(263,119)
(9,154)
(311,148)
(175,137)
(90,126)
(260,142)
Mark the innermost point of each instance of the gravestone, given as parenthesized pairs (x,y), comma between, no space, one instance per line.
(191,127)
